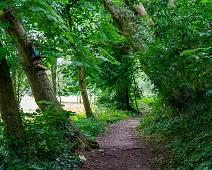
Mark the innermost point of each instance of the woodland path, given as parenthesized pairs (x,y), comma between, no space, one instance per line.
(120,150)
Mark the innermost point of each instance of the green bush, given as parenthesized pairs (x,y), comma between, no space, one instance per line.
(51,143)
(91,127)
(51,139)
(190,131)
(102,117)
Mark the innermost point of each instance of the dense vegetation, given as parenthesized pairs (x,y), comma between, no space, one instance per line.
(130,56)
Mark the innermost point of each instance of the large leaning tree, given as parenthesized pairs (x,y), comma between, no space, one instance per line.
(38,80)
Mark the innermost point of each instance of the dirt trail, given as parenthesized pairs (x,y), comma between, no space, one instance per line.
(120,150)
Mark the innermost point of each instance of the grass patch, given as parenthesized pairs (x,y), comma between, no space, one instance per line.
(102,117)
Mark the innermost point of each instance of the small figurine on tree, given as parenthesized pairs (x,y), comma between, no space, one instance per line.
(37,57)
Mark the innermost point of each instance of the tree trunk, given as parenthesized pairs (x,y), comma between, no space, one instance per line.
(8,106)
(129,30)
(54,76)
(172,4)
(39,82)
(14,81)
(86,102)
(135,89)
(142,13)
(38,79)
(18,88)
(90,97)
(58,87)
(128,99)
(139,11)
(127,27)
(82,84)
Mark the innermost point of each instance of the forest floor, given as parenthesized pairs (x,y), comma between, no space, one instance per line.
(120,150)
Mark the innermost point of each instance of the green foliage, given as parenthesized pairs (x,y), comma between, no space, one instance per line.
(177,53)
(51,143)
(179,58)
(116,81)
(111,114)
(102,117)
(52,140)
(190,132)
(92,127)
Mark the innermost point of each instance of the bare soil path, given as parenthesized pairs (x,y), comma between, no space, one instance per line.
(120,150)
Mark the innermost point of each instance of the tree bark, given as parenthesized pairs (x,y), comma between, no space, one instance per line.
(135,89)
(128,99)
(172,4)
(141,11)
(81,79)
(58,88)
(14,82)
(54,76)
(129,30)
(86,102)
(39,82)
(8,106)
(38,79)
(18,89)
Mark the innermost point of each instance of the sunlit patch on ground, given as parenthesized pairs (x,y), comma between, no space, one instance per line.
(29,105)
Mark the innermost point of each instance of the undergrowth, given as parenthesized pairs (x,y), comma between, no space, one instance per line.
(102,117)
(51,144)
(189,131)
(51,140)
